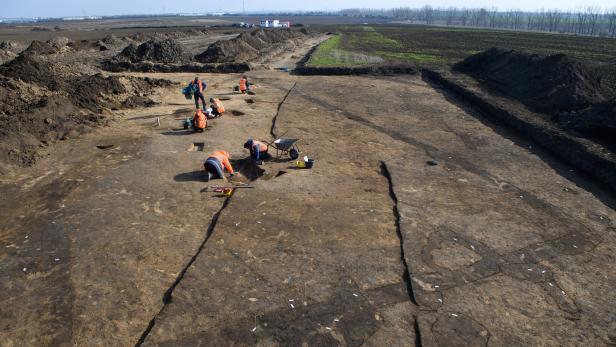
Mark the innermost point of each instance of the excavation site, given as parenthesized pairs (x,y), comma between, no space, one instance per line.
(341,179)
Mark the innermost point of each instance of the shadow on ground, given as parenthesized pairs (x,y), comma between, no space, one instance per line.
(198,176)
(248,168)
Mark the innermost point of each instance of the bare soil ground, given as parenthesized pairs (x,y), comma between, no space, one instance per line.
(498,244)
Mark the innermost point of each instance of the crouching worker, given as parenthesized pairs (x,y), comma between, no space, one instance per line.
(199,121)
(258,150)
(217,107)
(216,164)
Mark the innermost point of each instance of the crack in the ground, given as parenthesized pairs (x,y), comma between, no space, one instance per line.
(407,274)
(168,294)
(278,110)
(418,342)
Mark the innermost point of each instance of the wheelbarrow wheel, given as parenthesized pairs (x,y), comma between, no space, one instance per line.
(293,153)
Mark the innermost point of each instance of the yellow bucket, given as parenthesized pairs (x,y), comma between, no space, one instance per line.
(300,164)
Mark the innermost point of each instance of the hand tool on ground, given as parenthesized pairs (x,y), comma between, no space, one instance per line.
(221,189)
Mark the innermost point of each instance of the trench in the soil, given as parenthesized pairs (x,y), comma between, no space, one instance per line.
(168,296)
(406,275)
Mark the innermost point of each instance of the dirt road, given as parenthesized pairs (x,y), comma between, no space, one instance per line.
(498,244)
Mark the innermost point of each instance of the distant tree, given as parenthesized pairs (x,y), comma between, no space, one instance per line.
(464,16)
(517,19)
(593,14)
(451,14)
(428,14)
(611,19)
(588,20)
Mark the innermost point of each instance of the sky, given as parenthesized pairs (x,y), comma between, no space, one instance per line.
(61,8)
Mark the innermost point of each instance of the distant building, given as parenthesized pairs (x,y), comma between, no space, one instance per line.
(82,18)
(275,23)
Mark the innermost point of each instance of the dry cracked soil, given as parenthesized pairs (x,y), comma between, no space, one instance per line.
(498,244)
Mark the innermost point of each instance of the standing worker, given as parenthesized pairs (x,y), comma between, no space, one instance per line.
(258,150)
(244,84)
(199,87)
(216,164)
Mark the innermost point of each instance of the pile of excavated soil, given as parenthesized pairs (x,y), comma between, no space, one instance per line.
(41,102)
(111,40)
(57,45)
(39,48)
(579,95)
(166,51)
(8,45)
(249,46)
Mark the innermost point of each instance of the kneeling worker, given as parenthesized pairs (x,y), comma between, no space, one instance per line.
(217,107)
(216,164)
(258,150)
(199,122)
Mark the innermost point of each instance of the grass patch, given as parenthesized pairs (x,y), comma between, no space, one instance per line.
(417,58)
(368,41)
(429,46)
(330,54)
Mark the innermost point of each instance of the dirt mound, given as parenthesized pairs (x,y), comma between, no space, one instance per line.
(138,101)
(168,68)
(92,92)
(8,45)
(579,95)
(59,42)
(166,51)
(41,29)
(249,46)
(29,69)
(111,40)
(38,47)
(41,102)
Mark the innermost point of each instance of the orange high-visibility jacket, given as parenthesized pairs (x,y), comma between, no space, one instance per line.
(200,120)
(223,158)
(243,84)
(219,106)
(199,85)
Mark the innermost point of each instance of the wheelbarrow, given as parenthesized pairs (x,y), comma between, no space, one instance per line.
(286,146)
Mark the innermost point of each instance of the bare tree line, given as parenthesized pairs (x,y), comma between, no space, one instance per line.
(589,20)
